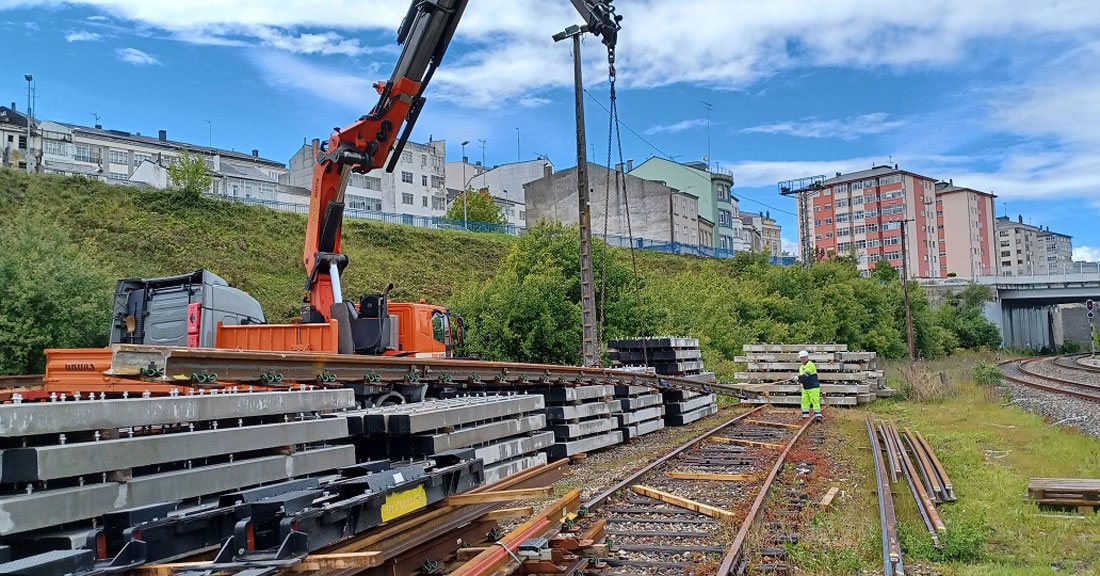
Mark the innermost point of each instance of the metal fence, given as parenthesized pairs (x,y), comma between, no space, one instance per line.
(440,223)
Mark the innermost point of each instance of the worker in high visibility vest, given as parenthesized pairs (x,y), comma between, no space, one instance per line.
(811,386)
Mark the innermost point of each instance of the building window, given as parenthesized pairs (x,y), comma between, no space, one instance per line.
(139,158)
(119,157)
(522,216)
(407,177)
(85,153)
(407,157)
(52,148)
(424,201)
(438,203)
(423,179)
(423,159)
(406,198)
(118,176)
(438,182)
(842,203)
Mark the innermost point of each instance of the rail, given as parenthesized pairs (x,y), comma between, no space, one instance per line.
(1050,384)
(893,564)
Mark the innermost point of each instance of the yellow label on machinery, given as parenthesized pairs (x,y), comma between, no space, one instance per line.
(401,503)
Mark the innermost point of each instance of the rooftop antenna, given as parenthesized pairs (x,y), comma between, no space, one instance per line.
(209,132)
(482,141)
(96,116)
(709,107)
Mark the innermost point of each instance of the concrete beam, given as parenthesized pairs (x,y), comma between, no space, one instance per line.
(628,418)
(639,402)
(690,405)
(562,413)
(578,393)
(513,447)
(581,429)
(503,470)
(466,437)
(642,428)
(26,512)
(624,391)
(61,417)
(689,417)
(85,458)
(423,416)
(573,447)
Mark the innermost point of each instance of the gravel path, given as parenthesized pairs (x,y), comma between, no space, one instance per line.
(1059,409)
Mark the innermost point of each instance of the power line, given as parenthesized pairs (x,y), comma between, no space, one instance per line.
(668,157)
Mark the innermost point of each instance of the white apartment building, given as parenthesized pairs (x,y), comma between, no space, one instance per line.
(762,232)
(1057,249)
(121,157)
(416,188)
(1018,247)
(504,182)
(13,137)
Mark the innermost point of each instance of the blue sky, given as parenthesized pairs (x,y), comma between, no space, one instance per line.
(998,95)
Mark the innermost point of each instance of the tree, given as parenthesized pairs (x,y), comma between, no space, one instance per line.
(479,207)
(188,175)
(51,294)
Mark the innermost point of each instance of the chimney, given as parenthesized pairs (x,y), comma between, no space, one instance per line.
(838,174)
(255,153)
(630,165)
(217,163)
(98,126)
(1020,218)
(547,170)
(162,135)
(13,106)
(951,181)
(619,167)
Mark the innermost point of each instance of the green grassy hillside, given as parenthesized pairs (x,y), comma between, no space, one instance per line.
(128,232)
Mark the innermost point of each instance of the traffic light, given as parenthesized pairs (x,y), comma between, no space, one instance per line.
(1088,306)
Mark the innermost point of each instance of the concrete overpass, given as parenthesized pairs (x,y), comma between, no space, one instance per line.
(1041,311)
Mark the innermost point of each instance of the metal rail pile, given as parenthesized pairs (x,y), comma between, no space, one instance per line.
(892,563)
(921,468)
(847,378)
(669,517)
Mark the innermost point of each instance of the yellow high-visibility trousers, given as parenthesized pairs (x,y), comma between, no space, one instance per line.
(811,397)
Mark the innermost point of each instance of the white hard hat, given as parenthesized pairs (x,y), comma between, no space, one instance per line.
(803,354)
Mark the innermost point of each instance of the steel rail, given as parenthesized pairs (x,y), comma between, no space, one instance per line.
(736,549)
(177,365)
(1047,387)
(1026,369)
(925,506)
(892,563)
(602,497)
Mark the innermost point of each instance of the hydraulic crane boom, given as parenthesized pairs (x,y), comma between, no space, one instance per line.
(366,145)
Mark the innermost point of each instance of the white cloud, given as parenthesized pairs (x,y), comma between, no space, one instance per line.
(136,57)
(533,101)
(850,128)
(1086,253)
(82,36)
(790,246)
(326,43)
(97,18)
(285,71)
(680,126)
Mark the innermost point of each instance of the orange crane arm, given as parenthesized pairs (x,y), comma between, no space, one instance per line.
(366,144)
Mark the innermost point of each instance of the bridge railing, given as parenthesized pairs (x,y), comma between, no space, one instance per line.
(1040,279)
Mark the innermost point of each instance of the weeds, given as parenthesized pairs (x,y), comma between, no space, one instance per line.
(986,374)
(920,384)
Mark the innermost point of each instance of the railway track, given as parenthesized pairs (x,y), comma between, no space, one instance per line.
(1030,373)
(692,510)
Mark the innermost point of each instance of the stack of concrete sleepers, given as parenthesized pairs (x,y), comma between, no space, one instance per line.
(65,464)
(679,357)
(641,408)
(847,377)
(582,418)
(505,431)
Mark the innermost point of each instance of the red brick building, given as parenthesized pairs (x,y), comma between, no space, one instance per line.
(862,214)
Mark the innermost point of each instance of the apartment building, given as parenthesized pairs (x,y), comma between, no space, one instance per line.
(862,214)
(504,183)
(764,231)
(122,157)
(713,189)
(1057,249)
(657,213)
(967,233)
(416,187)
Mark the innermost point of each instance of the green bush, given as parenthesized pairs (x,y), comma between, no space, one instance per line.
(986,374)
(51,295)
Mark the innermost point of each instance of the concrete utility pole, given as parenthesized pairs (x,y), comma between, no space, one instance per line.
(465,217)
(590,345)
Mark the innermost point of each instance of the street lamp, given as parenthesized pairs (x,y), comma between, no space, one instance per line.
(465,223)
(30,120)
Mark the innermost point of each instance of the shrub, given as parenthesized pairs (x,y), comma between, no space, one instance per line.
(986,374)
